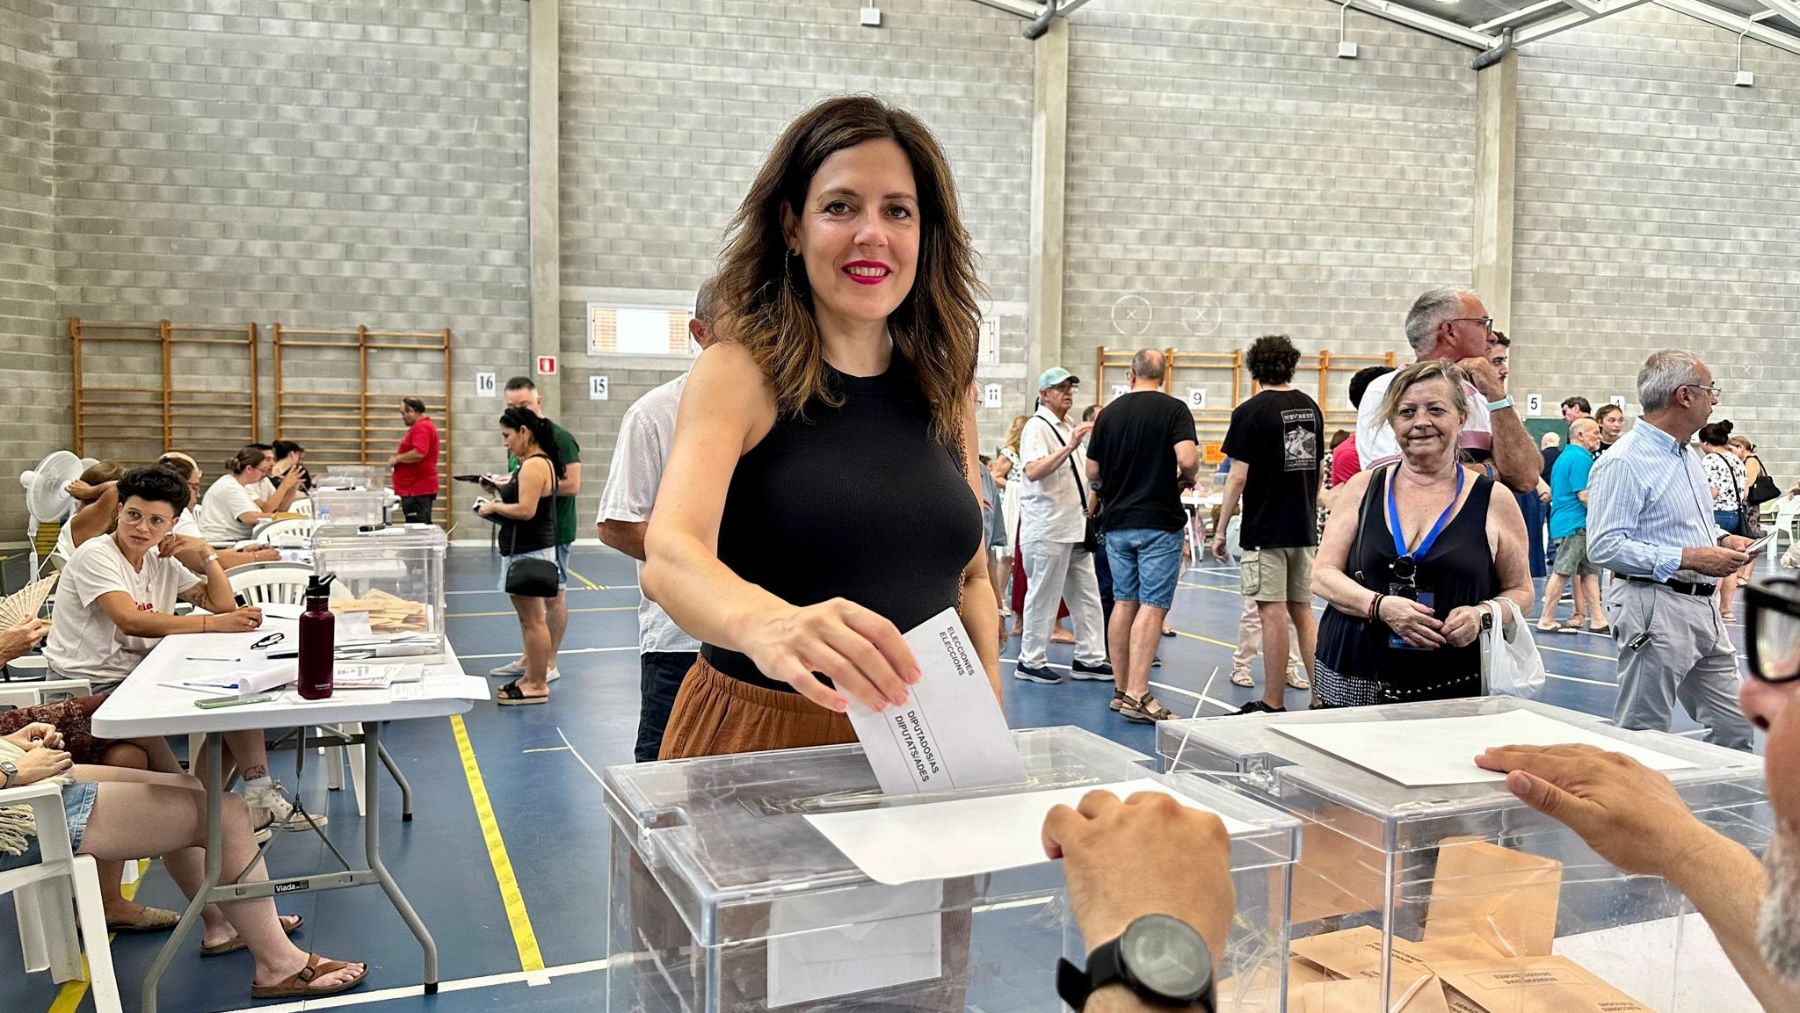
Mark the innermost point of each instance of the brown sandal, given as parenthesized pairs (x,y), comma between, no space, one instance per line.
(299,984)
(290,924)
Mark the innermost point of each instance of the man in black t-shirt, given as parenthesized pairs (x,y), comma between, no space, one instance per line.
(1142,452)
(1274,444)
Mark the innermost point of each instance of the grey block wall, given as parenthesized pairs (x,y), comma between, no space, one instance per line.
(1656,209)
(320,165)
(668,111)
(35,371)
(1229,177)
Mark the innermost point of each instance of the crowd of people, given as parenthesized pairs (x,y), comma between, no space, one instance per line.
(839,341)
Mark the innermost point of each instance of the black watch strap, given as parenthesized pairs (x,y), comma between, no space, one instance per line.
(1105,966)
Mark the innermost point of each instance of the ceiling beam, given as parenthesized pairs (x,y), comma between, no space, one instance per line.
(1734,23)
(1028,11)
(1541,30)
(1522,14)
(1070,6)
(1592,8)
(1786,8)
(1413,18)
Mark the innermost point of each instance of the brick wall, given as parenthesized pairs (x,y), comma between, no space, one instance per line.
(1229,177)
(317,164)
(36,369)
(1655,209)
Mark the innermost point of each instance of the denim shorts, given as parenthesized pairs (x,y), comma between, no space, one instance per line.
(557,554)
(78,805)
(1145,563)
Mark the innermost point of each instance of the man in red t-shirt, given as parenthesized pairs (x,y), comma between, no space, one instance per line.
(416,463)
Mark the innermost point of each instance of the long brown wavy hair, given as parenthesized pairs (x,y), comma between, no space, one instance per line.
(935,328)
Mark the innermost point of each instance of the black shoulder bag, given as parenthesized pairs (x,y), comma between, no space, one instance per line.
(1090,534)
(1371,500)
(528,576)
(1764,488)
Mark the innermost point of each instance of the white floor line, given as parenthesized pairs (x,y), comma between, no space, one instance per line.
(416,991)
(1590,682)
(561,653)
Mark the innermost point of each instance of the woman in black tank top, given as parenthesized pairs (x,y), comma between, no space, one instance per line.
(1411,554)
(526,514)
(821,496)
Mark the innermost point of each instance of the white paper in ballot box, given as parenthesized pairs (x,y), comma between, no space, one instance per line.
(950,733)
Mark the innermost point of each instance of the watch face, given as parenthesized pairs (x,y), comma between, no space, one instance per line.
(1167,956)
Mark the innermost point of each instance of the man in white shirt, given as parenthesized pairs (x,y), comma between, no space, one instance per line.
(646,436)
(1453,325)
(116,600)
(1052,529)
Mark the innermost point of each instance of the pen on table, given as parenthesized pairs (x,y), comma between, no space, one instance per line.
(232,701)
(204,658)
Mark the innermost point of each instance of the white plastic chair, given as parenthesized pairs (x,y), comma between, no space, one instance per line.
(43,691)
(270,583)
(56,897)
(1787,509)
(301,506)
(294,532)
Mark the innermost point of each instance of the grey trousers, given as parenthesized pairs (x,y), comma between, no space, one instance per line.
(1689,659)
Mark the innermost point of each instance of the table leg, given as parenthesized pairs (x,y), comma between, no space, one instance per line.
(215,860)
(387,760)
(373,753)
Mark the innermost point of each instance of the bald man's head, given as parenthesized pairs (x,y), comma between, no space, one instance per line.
(1586,432)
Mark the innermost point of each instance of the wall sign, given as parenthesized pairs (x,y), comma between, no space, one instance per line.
(1196,397)
(1534,405)
(485,385)
(546,365)
(597,388)
(990,396)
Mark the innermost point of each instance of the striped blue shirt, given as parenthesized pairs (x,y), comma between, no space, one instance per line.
(1648,500)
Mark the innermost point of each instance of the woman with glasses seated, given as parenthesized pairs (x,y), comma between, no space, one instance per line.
(116,601)
(1407,572)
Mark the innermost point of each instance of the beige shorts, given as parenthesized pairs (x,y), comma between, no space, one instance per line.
(1277,574)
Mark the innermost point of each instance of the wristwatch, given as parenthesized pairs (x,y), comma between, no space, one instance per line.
(11,771)
(1160,958)
(1505,402)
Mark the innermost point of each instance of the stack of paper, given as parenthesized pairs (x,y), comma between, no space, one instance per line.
(244,681)
(23,605)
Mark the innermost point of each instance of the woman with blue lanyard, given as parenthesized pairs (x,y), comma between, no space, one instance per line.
(1405,575)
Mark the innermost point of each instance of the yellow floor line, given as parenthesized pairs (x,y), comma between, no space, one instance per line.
(590,585)
(1196,636)
(509,612)
(523,937)
(69,999)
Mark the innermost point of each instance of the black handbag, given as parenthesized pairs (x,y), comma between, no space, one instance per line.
(1764,488)
(528,576)
(1090,529)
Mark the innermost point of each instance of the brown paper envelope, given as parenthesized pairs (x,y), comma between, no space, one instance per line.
(1356,953)
(1363,995)
(1334,876)
(1534,985)
(1506,897)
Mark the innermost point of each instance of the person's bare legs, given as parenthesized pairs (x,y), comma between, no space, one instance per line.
(1122,647)
(556,613)
(538,652)
(139,814)
(1581,602)
(1590,585)
(1306,633)
(1553,586)
(1274,616)
(112,872)
(1146,636)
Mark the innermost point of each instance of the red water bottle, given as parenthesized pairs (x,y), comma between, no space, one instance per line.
(317,632)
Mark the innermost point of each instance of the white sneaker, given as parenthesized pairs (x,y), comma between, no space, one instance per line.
(510,668)
(553,675)
(270,808)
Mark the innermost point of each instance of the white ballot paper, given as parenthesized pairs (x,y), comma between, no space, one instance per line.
(950,733)
(245,681)
(1435,751)
(965,836)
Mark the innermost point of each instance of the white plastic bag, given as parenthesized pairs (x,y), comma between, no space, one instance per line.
(1510,663)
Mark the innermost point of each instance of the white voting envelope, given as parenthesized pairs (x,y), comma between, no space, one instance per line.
(1438,751)
(950,733)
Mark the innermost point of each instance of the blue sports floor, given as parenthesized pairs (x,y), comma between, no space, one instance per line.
(533,764)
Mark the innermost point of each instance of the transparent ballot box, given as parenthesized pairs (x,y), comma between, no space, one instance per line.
(352,476)
(389,591)
(725,897)
(1414,895)
(353,507)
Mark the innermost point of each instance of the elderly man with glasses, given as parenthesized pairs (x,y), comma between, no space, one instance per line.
(1650,521)
(1632,817)
(1452,324)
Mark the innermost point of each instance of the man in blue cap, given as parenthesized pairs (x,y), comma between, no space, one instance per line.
(1053,535)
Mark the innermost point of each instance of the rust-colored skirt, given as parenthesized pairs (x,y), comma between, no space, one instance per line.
(73,718)
(716,715)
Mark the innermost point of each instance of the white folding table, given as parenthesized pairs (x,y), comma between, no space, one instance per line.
(151,703)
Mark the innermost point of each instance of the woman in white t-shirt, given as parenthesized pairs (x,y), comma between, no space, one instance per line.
(188,524)
(230,511)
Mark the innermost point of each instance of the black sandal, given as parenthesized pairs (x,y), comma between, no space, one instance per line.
(510,695)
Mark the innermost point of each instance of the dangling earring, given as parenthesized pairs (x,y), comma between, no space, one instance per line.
(787,271)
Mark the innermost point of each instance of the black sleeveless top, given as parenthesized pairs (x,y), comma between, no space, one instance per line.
(1459,571)
(857,502)
(526,536)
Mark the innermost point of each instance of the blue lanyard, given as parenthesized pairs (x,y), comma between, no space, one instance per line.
(1436,529)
